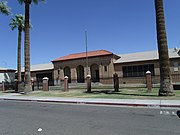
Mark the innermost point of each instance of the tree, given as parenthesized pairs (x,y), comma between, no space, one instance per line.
(18,22)
(27,43)
(4,9)
(166,88)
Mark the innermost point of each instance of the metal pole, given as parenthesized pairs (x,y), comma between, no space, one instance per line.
(87,72)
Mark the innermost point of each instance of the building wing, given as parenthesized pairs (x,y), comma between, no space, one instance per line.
(145,56)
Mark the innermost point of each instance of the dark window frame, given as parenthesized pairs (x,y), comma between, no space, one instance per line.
(137,70)
(105,68)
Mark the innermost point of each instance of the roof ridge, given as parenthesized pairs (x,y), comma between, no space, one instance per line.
(42,64)
(146,51)
(87,52)
(138,52)
(82,55)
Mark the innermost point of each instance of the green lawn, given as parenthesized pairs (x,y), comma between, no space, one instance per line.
(125,93)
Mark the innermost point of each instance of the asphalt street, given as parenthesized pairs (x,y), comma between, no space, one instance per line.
(32,118)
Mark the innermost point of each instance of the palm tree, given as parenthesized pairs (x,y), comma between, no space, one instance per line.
(4,8)
(166,88)
(18,22)
(27,43)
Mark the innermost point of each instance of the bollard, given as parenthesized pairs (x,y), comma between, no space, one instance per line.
(3,85)
(66,84)
(32,84)
(45,84)
(88,77)
(149,81)
(16,83)
(116,82)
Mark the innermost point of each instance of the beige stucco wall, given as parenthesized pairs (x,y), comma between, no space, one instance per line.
(106,77)
(73,64)
(142,80)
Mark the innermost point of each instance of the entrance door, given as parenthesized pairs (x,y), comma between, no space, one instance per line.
(97,76)
(94,73)
(80,74)
(67,72)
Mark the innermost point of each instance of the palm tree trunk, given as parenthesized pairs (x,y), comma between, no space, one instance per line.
(166,88)
(27,48)
(19,54)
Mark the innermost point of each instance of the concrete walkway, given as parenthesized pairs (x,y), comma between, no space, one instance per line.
(94,101)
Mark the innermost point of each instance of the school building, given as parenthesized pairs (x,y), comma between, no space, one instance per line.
(102,64)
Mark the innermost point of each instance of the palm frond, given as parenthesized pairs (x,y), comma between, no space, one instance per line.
(37,1)
(4,8)
(17,22)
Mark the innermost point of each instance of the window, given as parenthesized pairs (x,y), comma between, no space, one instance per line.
(137,71)
(105,68)
(176,67)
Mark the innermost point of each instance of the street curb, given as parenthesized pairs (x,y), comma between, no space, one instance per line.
(94,103)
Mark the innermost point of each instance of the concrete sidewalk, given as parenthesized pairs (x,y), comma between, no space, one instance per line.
(94,101)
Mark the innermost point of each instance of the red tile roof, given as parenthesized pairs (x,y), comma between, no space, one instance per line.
(83,55)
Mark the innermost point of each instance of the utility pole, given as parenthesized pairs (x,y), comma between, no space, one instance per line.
(86,40)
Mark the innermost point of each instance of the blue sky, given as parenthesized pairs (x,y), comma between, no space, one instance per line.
(120,26)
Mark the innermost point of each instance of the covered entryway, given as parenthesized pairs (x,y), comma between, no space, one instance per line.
(67,72)
(94,72)
(39,79)
(80,74)
(40,76)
